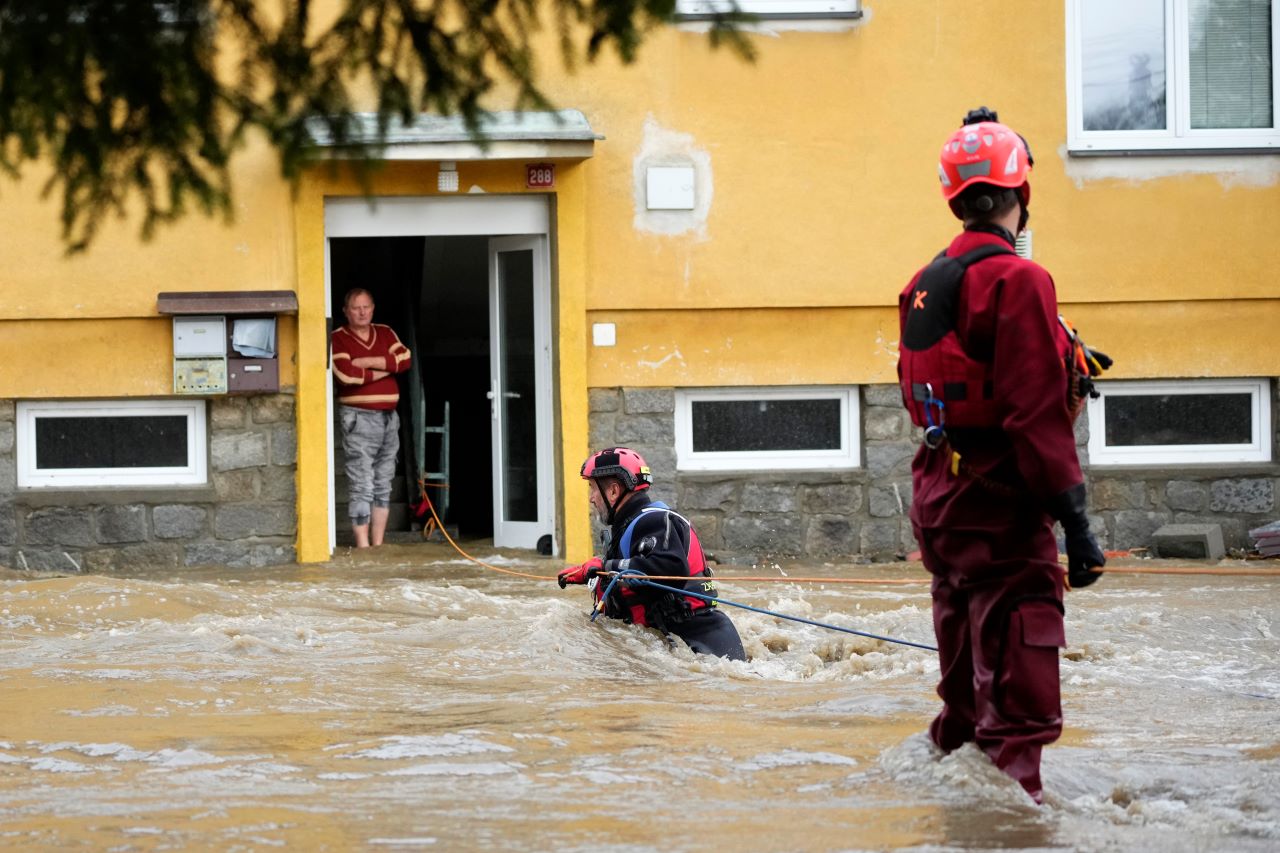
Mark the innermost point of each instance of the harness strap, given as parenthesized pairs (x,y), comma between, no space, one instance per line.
(951,391)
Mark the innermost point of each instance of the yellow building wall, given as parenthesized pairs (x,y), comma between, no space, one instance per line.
(86,325)
(819,165)
(822,156)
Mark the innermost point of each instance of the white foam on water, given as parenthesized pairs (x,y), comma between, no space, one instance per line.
(428,746)
(182,758)
(111,674)
(550,739)
(792,758)
(966,773)
(103,711)
(402,842)
(1200,794)
(59,765)
(614,777)
(495,768)
(342,777)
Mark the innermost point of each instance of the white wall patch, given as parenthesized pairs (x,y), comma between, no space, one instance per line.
(684,185)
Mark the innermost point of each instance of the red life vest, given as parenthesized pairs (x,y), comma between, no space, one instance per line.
(932,364)
(933,367)
(695,558)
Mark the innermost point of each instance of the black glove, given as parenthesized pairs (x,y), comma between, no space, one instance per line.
(1083,553)
(1104,361)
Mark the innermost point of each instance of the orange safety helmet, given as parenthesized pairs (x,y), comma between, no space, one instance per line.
(984,152)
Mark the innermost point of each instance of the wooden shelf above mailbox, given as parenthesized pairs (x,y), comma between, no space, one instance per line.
(228,302)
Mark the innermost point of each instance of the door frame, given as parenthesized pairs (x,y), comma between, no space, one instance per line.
(507,534)
(489,215)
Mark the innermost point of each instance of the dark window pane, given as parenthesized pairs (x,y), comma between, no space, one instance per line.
(1123,64)
(519,396)
(1161,419)
(150,441)
(746,425)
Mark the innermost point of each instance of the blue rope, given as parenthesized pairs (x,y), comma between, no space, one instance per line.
(635,578)
(599,606)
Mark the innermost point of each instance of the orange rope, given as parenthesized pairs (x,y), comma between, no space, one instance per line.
(456,547)
(1181,570)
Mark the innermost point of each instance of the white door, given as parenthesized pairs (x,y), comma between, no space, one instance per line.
(520,390)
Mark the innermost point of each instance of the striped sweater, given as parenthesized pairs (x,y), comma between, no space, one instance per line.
(356,385)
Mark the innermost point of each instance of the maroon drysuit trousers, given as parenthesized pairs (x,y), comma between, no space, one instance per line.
(997,614)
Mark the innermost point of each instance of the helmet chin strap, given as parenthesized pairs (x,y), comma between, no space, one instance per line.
(612,507)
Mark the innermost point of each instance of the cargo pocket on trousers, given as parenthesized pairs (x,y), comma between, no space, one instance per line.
(1029,688)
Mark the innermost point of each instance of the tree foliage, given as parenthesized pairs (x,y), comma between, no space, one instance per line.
(150,99)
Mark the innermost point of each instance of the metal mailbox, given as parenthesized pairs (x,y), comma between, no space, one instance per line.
(253,364)
(199,337)
(253,375)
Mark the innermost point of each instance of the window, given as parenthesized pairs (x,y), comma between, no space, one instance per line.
(742,429)
(111,443)
(1172,75)
(772,8)
(1183,422)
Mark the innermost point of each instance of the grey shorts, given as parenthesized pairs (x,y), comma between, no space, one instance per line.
(370,442)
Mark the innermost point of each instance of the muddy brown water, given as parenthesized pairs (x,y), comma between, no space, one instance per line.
(408,699)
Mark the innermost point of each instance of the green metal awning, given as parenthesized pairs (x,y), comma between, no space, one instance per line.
(511,135)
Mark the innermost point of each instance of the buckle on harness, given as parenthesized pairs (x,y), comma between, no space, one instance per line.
(935,433)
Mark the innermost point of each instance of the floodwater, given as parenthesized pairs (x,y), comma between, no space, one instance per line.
(411,700)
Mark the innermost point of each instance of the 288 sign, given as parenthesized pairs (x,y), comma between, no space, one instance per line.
(540,176)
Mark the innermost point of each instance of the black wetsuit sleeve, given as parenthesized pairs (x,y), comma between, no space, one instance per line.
(659,546)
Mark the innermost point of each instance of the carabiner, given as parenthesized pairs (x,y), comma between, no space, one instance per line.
(935,433)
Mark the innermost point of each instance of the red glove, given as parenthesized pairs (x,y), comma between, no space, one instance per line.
(580,574)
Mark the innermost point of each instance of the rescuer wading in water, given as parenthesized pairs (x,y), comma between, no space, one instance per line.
(648,537)
(995,377)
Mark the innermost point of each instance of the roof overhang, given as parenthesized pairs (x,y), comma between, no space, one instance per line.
(514,135)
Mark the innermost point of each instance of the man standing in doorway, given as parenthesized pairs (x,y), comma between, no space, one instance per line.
(986,369)
(366,358)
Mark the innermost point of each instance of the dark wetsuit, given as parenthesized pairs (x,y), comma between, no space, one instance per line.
(663,543)
(997,584)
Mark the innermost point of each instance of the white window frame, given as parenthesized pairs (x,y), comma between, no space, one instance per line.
(848,456)
(195,472)
(771,8)
(1258,450)
(1178,136)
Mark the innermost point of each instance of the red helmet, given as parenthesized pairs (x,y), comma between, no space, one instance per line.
(621,462)
(984,153)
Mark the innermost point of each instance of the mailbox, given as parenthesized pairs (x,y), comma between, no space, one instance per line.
(200,354)
(253,366)
(224,342)
(199,337)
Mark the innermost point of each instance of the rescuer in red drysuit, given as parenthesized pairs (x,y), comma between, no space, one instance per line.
(985,367)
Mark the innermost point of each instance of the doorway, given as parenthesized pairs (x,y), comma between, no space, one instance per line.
(474,309)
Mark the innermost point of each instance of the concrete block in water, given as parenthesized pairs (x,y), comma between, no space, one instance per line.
(1189,541)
